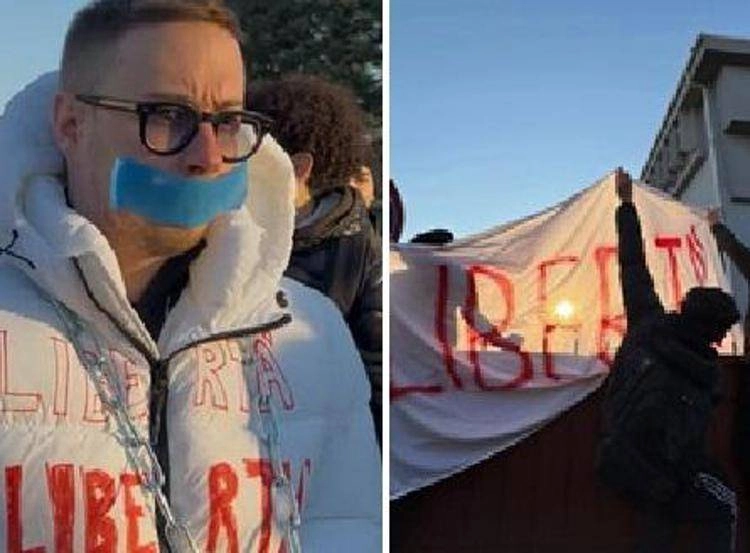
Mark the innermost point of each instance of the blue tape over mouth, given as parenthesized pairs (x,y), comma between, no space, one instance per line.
(170,199)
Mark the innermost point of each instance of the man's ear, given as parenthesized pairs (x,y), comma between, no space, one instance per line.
(303,166)
(65,122)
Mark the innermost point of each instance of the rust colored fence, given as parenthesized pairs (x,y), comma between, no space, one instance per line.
(542,496)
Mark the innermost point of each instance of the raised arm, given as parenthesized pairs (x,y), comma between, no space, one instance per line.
(637,284)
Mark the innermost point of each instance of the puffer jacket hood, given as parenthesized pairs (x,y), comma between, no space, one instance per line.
(246,254)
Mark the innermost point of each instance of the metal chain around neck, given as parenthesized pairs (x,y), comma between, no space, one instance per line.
(137,447)
(268,430)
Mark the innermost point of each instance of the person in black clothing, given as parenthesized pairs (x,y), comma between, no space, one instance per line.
(737,252)
(662,390)
(335,248)
(740,256)
(365,183)
(433,237)
(396,208)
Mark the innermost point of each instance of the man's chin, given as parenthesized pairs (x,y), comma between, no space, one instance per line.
(153,239)
(168,240)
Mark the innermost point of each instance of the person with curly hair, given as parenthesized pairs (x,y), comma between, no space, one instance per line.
(335,249)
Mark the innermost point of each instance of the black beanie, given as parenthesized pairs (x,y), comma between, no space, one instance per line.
(710,308)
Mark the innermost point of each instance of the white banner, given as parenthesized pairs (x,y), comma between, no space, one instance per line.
(496,334)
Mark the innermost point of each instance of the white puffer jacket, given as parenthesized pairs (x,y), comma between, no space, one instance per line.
(68,483)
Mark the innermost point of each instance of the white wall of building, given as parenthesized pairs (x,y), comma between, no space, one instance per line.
(701,189)
(722,175)
(732,103)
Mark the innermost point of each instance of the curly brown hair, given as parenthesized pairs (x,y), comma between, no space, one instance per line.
(319,117)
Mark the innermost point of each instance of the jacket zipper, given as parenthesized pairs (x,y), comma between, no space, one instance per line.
(158,394)
(158,366)
(159,377)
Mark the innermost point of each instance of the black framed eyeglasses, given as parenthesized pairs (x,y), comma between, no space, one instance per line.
(166,128)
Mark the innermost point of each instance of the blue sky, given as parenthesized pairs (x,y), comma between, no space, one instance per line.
(31,38)
(500,108)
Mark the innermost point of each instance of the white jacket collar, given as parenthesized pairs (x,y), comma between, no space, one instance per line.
(234,281)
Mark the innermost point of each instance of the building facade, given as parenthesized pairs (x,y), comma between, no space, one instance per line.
(701,154)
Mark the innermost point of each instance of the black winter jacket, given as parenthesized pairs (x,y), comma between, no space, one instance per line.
(662,387)
(340,255)
(740,255)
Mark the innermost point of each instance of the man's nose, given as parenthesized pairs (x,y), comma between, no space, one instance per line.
(203,154)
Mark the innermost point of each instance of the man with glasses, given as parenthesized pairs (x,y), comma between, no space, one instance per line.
(162,387)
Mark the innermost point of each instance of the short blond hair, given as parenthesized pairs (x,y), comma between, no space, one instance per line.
(95,30)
